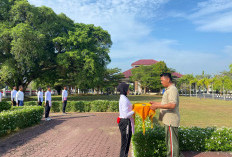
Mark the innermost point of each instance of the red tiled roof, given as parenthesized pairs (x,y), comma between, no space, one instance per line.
(177,74)
(127,73)
(144,62)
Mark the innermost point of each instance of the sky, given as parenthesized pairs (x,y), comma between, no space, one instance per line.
(190,36)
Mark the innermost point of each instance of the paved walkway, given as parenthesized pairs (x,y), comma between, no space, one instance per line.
(72,135)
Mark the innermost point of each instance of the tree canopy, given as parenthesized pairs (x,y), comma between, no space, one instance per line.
(149,76)
(38,45)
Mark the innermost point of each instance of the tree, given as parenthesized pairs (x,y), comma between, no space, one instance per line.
(38,45)
(86,55)
(149,76)
(112,78)
(186,82)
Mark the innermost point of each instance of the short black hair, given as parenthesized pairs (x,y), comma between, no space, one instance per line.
(169,75)
(48,87)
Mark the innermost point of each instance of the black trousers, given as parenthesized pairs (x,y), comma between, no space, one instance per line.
(126,132)
(40,103)
(64,105)
(14,102)
(47,109)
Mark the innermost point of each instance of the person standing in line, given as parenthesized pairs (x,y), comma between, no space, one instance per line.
(64,99)
(124,119)
(169,114)
(48,103)
(0,95)
(40,96)
(20,96)
(13,96)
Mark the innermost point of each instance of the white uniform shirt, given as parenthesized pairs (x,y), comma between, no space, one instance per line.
(0,96)
(64,95)
(13,95)
(48,97)
(19,96)
(125,107)
(40,96)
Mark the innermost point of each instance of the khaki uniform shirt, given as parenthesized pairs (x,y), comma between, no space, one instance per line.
(170,117)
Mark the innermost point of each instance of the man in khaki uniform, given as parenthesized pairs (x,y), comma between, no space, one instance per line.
(169,114)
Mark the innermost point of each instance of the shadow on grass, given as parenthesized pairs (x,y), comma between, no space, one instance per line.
(23,136)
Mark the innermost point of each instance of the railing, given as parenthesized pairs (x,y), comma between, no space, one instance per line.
(209,96)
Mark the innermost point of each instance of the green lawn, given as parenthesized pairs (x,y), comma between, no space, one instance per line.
(193,111)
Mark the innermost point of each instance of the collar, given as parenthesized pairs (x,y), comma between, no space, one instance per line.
(170,86)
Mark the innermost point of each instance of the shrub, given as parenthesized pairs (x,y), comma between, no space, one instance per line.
(56,106)
(31,103)
(191,139)
(19,117)
(5,106)
(220,140)
(87,106)
(99,105)
(81,106)
(113,106)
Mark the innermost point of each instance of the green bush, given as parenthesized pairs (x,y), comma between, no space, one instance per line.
(99,105)
(113,106)
(31,103)
(19,117)
(191,139)
(82,106)
(5,106)
(220,140)
(56,106)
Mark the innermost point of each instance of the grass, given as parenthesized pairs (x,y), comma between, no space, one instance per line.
(193,111)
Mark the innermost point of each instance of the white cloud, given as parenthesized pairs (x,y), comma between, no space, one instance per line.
(133,39)
(213,16)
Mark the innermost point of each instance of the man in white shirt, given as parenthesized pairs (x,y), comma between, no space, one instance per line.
(20,96)
(64,98)
(0,95)
(13,96)
(48,103)
(40,96)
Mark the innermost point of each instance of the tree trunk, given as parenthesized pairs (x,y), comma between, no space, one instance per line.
(196,88)
(190,90)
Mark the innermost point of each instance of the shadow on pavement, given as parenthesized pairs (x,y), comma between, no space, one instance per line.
(23,136)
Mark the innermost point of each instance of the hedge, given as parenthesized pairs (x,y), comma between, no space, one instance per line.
(5,106)
(19,117)
(191,139)
(82,106)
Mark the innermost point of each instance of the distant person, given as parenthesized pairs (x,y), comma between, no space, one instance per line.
(169,114)
(13,96)
(40,96)
(20,96)
(0,95)
(64,99)
(48,103)
(124,120)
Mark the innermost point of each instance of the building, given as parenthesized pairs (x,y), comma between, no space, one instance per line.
(145,62)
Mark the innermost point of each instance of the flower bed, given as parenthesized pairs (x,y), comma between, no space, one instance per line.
(191,139)
(19,117)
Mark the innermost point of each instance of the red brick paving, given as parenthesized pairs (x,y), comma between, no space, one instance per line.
(73,135)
